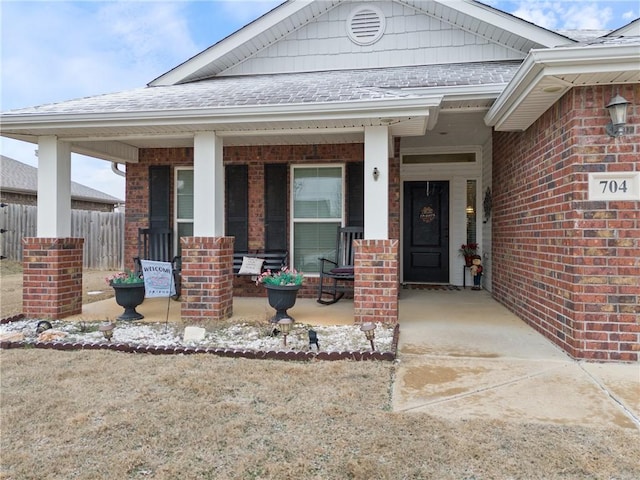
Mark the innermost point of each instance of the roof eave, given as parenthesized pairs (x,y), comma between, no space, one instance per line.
(13,123)
(545,64)
(508,22)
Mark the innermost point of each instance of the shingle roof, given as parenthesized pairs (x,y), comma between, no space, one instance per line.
(19,177)
(287,88)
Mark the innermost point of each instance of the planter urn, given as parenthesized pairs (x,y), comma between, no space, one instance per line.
(281,298)
(129,296)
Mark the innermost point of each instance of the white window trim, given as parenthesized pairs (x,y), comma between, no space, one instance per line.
(176,220)
(292,220)
(475,149)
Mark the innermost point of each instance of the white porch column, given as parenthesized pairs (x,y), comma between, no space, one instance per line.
(54,188)
(376,192)
(208,185)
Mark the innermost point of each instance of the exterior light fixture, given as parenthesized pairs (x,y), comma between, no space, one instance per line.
(285,328)
(313,339)
(42,326)
(618,110)
(376,173)
(107,330)
(369,332)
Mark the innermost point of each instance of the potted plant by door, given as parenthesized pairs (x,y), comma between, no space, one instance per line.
(129,289)
(468,251)
(282,289)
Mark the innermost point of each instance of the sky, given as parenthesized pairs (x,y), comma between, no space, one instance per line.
(52,51)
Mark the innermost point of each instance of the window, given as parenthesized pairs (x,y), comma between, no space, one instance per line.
(430,158)
(184,205)
(318,209)
(471,212)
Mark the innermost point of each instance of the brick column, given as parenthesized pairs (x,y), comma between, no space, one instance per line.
(375,296)
(207,278)
(52,277)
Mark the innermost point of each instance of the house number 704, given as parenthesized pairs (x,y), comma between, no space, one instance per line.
(613,186)
(617,186)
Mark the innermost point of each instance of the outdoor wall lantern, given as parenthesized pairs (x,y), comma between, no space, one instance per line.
(618,110)
(369,332)
(376,173)
(285,327)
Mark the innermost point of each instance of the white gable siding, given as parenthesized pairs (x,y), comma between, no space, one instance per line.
(411,38)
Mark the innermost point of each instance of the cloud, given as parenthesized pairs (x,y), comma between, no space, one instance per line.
(70,50)
(587,16)
(244,11)
(150,37)
(563,14)
(65,50)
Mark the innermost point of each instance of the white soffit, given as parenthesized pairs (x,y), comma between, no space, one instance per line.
(546,75)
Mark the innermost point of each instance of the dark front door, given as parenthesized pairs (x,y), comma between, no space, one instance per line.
(426,232)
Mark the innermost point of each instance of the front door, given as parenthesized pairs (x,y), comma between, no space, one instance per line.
(426,232)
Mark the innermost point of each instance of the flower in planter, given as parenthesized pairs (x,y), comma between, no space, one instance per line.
(284,276)
(126,277)
(468,249)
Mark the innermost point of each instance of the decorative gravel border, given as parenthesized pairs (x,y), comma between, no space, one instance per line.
(299,356)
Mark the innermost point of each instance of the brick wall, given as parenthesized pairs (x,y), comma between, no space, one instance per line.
(568,266)
(207,286)
(137,191)
(52,277)
(376,281)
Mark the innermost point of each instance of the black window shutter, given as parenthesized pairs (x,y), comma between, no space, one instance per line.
(275,206)
(237,203)
(159,196)
(355,194)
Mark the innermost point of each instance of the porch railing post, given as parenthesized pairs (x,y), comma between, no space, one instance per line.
(376,283)
(207,278)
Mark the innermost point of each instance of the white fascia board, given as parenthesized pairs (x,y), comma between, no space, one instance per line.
(507,22)
(236,114)
(228,44)
(631,29)
(540,64)
(290,131)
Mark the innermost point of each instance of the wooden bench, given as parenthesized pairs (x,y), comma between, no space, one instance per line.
(273,260)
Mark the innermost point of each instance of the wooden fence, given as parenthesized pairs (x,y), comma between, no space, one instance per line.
(103,234)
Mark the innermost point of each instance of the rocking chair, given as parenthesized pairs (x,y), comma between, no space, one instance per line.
(156,244)
(341,270)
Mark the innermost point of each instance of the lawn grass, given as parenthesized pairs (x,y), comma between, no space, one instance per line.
(110,415)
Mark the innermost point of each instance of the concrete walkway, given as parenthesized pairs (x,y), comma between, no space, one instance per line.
(462,355)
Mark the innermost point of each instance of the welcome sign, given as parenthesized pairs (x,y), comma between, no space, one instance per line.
(158,279)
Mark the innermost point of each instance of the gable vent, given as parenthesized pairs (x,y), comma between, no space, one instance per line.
(366,25)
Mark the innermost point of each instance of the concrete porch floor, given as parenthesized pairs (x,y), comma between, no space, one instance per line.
(462,355)
(306,310)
